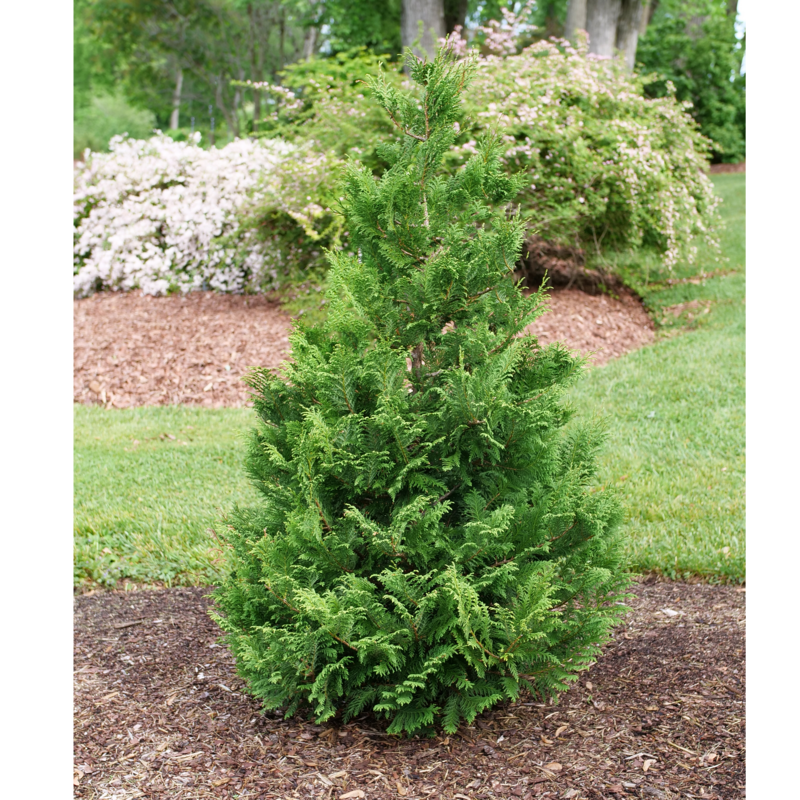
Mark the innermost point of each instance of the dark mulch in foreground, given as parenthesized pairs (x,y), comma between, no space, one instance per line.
(159,713)
(136,350)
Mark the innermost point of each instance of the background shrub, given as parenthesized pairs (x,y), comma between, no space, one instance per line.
(606,169)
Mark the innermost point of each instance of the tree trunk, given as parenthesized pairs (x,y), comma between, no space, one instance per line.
(431,14)
(311,34)
(282,38)
(733,7)
(628,30)
(230,118)
(455,13)
(649,9)
(601,23)
(310,43)
(576,19)
(644,19)
(176,102)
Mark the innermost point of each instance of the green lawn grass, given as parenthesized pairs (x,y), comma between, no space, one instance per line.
(675,412)
(676,418)
(142,510)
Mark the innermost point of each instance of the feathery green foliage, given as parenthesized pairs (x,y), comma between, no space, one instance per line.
(428,544)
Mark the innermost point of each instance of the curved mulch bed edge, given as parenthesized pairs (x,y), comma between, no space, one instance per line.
(136,350)
(718,169)
(159,713)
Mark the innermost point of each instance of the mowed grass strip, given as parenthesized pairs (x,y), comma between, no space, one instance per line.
(675,413)
(676,417)
(144,501)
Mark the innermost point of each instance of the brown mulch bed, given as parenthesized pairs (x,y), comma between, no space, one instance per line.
(136,350)
(159,713)
(599,324)
(716,169)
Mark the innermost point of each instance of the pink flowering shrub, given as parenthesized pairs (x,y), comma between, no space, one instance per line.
(165,216)
(607,168)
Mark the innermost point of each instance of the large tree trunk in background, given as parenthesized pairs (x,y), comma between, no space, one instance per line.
(576,19)
(311,36)
(644,18)
(601,23)
(431,14)
(176,102)
(310,43)
(628,30)
(733,6)
(455,13)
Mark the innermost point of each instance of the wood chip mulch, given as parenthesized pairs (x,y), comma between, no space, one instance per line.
(160,713)
(136,350)
(597,324)
(718,169)
(131,349)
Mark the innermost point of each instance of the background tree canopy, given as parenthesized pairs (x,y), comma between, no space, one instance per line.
(694,44)
(173,64)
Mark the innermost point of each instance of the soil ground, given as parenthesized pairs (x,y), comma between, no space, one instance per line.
(136,350)
(160,713)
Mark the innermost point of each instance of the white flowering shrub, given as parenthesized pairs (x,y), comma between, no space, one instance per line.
(166,216)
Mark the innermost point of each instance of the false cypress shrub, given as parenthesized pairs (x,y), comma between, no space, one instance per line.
(428,544)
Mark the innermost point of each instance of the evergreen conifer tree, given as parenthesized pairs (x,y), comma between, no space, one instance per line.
(428,544)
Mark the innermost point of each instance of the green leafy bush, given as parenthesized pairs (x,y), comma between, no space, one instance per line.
(105,116)
(327,102)
(323,106)
(429,543)
(693,47)
(606,168)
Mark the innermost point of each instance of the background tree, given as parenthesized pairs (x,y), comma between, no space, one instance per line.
(377,24)
(165,56)
(455,14)
(694,44)
(374,24)
(575,19)
(611,24)
(177,59)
